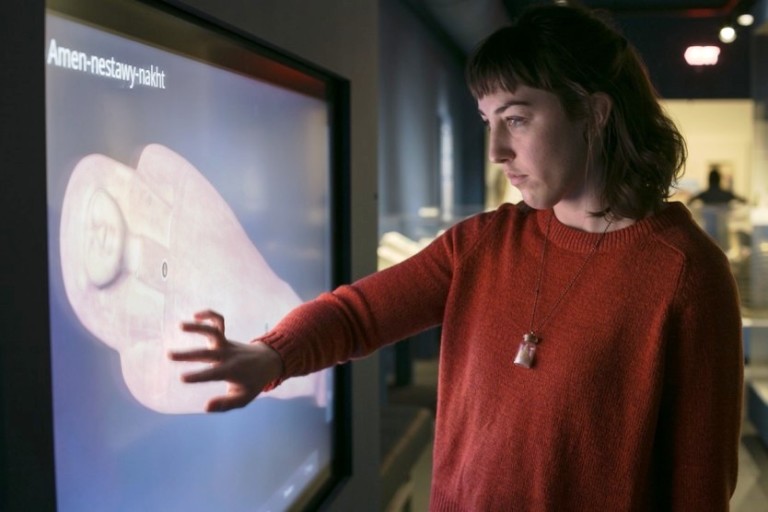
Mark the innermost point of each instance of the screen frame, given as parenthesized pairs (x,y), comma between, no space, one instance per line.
(26,420)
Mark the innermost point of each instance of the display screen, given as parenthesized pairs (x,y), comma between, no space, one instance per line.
(184,174)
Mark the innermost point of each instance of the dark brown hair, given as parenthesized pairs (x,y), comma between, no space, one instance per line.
(574,53)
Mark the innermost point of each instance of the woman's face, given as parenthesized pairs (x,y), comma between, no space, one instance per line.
(541,150)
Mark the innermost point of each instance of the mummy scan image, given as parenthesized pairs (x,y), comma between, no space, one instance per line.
(142,250)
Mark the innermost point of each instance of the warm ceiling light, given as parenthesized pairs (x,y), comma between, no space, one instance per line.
(702,55)
(727,34)
(745,20)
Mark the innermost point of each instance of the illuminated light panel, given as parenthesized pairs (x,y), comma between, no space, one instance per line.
(702,55)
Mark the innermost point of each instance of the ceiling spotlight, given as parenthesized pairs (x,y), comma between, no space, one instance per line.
(745,20)
(702,55)
(727,34)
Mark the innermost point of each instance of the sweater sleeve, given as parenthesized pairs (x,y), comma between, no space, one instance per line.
(700,414)
(387,306)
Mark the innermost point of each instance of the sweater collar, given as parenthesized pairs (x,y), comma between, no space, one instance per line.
(577,240)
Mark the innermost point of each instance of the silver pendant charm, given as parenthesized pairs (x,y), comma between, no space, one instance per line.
(527,350)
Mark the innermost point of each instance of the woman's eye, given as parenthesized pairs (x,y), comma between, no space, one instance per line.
(515,121)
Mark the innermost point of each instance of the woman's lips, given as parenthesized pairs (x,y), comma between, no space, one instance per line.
(516,179)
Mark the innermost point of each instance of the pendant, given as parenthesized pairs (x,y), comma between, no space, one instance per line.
(527,350)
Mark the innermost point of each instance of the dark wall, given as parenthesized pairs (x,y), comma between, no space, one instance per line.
(662,42)
(421,83)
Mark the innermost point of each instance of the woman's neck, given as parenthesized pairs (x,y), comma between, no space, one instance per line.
(586,220)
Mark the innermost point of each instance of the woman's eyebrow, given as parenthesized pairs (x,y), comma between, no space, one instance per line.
(511,103)
(508,104)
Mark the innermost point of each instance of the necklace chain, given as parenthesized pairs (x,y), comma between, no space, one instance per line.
(570,284)
(526,352)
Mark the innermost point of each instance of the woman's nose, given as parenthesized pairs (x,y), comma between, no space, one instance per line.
(499,147)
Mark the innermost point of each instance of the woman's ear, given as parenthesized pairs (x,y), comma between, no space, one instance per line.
(601,108)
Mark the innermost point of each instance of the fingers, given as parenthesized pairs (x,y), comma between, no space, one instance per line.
(203,355)
(216,319)
(214,333)
(211,325)
(213,373)
(206,329)
(229,402)
(213,329)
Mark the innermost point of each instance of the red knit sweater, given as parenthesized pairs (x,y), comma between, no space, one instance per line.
(634,401)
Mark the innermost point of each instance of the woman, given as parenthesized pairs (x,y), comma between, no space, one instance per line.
(591,354)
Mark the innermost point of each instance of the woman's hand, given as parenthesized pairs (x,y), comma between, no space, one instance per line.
(246,367)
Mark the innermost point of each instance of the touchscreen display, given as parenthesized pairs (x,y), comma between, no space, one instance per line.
(177,184)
